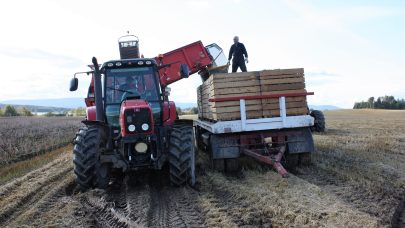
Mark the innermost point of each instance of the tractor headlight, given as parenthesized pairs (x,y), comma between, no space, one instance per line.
(141,147)
(145,127)
(131,128)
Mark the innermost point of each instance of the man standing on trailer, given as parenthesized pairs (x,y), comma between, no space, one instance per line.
(239,54)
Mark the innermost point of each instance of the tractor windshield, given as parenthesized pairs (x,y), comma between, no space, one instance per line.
(121,83)
(138,81)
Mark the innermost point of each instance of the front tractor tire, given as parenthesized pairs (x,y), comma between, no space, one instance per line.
(89,172)
(182,156)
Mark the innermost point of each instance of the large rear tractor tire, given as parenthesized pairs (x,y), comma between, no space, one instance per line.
(89,172)
(319,123)
(182,155)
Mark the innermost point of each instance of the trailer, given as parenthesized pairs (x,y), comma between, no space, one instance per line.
(277,141)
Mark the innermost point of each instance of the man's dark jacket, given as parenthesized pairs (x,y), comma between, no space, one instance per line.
(237,51)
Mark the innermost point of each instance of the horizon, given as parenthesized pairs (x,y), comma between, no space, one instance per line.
(350,50)
(182,105)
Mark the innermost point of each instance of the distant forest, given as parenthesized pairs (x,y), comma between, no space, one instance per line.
(385,102)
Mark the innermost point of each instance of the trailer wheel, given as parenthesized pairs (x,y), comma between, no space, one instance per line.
(199,142)
(232,165)
(218,165)
(182,155)
(319,123)
(87,145)
(305,159)
(291,161)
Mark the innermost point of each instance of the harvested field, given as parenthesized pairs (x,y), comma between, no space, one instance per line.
(24,137)
(357,180)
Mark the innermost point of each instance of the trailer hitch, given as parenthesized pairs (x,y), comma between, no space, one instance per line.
(273,159)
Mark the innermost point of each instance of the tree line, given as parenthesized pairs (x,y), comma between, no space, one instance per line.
(385,102)
(9,110)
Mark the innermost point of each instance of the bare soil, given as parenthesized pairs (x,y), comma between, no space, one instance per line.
(357,179)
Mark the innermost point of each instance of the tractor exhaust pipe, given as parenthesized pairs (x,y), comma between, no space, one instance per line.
(98,92)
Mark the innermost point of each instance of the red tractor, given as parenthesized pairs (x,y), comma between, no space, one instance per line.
(130,122)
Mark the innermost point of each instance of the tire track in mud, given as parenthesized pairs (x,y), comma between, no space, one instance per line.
(24,193)
(46,205)
(143,205)
(5,189)
(398,219)
(230,210)
(174,207)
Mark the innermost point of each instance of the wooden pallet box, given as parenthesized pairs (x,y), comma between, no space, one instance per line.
(256,83)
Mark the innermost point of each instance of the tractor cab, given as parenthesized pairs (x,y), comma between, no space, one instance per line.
(131,86)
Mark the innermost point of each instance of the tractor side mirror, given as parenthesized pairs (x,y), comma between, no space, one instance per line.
(184,71)
(74,83)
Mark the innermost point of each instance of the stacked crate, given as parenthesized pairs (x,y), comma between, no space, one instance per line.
(267,82)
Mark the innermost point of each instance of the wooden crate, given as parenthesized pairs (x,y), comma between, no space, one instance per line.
(265,82)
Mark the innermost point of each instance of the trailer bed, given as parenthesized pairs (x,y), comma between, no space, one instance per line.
(258,124)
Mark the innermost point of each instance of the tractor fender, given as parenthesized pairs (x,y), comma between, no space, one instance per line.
(169,113)
(91,113)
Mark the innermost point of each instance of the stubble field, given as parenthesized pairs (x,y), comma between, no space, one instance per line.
(357,179)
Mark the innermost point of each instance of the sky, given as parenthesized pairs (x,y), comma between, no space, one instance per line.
(350,50)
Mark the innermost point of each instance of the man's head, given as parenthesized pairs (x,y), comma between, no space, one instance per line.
(236,39)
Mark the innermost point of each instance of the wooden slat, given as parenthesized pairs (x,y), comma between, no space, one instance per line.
(286,92)
(281,81)
(298,104)
(287,100)
(282,72)
(290,112)
(236,84)
(233,95)
(235,103)
(238,91)
(237,108)
(235,75)
(282,87)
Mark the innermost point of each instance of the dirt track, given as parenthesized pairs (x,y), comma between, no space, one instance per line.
(46,197)
(349,185)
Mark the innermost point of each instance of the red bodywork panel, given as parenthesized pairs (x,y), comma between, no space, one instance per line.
(195,55)
(91,113)
(169,113)
(136,105)
(90,100)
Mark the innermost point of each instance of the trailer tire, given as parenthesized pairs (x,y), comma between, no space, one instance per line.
(87,147)
(291,161)
(305,159)
(182,155)
(319,122)
(232,165)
